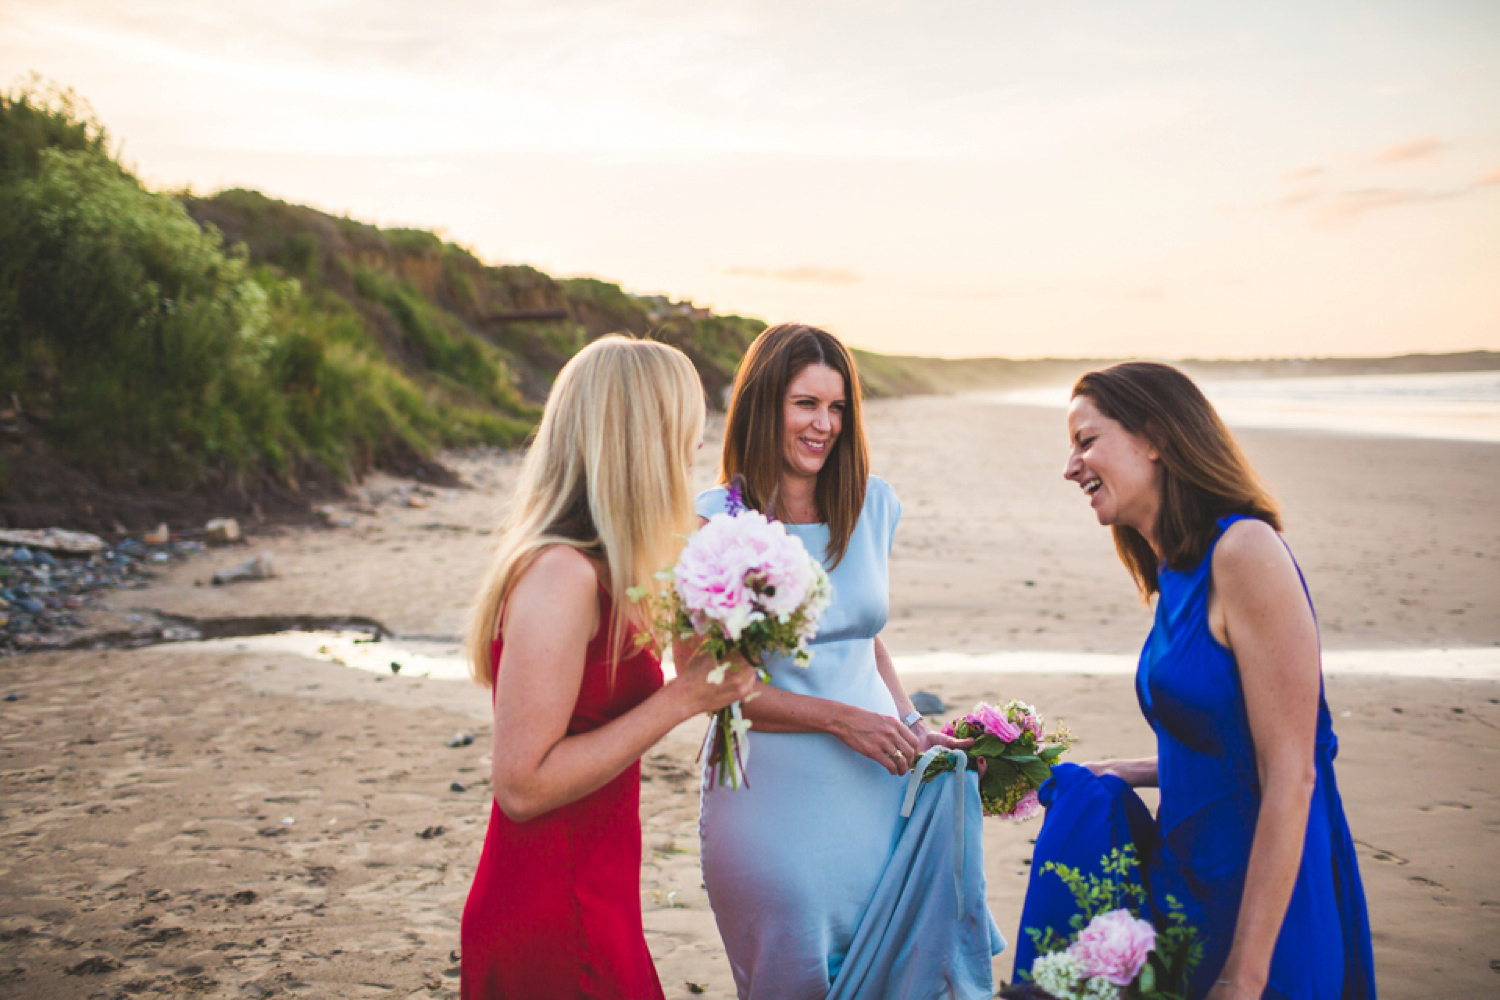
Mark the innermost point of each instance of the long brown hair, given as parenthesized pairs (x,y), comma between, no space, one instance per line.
(756,424)
(1204,474)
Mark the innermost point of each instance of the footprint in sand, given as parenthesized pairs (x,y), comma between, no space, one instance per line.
(1380,854)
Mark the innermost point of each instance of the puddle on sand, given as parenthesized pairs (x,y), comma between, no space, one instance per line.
(416,658)
(443,660)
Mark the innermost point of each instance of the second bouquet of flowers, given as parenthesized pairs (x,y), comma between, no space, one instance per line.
(1017,756)
(749,590)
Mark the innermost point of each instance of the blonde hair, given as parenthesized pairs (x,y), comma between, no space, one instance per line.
(609,474)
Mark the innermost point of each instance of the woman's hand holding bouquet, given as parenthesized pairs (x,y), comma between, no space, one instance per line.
(742,590)
(1013,755)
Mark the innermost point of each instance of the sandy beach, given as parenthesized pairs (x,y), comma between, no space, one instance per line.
(193,820)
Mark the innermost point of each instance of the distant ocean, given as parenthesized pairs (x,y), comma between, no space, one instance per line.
(1460,406)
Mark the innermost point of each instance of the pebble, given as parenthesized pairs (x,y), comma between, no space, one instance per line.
(262,567)
(457,787)
(461,740)
(927,703)
(42,592)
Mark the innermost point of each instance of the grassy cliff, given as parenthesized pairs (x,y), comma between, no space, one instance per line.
(245,351)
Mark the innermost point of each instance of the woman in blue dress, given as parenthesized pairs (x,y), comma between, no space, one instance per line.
(820,887)
(1250,837)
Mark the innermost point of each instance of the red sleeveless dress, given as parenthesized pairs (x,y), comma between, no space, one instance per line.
(555,909)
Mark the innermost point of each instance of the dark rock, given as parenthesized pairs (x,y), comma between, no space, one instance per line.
(430,832)
(243,897)
(927,703)
(457,787)
(459,739)
(95,965)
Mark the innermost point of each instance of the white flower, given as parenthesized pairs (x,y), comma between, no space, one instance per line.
(1057,973)
(1100,988)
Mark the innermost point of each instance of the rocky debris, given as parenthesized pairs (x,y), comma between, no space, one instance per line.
(262,567)
(927,703)
(55,540)
(332,517)
(94,965)
(222,531)
(415,495)
(42,593)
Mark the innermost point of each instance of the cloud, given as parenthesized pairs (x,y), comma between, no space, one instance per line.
(806,274)
(1304,174)
(1347,206)
(1493,177)
(1424,148)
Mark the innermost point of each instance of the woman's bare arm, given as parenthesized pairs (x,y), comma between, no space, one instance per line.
(1137,772)
(550,617)
(1261,613)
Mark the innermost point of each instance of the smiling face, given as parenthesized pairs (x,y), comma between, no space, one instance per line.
(813,416)
(1119,471)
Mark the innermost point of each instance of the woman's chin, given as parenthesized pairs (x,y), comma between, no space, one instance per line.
(807,466)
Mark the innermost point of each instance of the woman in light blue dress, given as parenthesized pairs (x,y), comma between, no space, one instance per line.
(821,887)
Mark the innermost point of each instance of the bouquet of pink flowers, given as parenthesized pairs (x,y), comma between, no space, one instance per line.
(1113,954)
(749,590)
(1017,756)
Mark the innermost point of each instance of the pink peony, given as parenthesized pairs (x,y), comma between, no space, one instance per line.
(1026,808)
(1114,945)
(995,723)
(737,570)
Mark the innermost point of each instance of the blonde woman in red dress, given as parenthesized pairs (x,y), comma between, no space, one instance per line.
(603,503)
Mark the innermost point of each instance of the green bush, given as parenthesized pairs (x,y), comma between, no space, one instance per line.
(137,341)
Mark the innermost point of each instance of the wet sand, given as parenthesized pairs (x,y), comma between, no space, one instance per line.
(143,794)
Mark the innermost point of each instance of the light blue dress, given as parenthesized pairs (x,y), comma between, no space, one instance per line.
(821,888)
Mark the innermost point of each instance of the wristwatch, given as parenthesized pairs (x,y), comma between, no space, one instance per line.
(912,718)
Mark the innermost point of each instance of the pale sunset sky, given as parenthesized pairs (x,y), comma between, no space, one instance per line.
(1168,179)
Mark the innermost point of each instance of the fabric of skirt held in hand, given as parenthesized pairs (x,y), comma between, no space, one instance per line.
(816,880)
(555,910)
(1198,846)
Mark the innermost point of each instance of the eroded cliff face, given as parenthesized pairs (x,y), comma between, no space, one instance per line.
(538,322)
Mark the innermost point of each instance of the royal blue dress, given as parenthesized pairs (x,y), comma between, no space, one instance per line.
(1198,846)
(821,887)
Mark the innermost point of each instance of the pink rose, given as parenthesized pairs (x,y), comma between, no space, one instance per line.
(1114,945)
(995,723)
